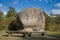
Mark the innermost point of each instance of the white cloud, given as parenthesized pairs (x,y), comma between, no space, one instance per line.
(43,0)
(4,12)
(57,5)
(55,11)
(15,1)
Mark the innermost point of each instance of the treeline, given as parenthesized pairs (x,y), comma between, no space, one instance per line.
(6,20)
(10,21)
(53,23)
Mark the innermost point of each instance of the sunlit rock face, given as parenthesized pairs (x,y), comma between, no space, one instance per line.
(32,18)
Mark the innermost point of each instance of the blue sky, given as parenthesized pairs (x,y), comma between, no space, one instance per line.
(49,6)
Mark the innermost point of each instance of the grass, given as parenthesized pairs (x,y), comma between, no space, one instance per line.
(55,35)
(52,33)
(50,36)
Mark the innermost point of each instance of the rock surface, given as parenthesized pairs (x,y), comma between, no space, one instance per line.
(27,30)
(32,18)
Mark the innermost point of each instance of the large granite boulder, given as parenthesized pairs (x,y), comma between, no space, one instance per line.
(32,18)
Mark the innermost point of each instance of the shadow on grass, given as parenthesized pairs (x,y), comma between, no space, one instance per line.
(55,36)
(48,37)
(41,38)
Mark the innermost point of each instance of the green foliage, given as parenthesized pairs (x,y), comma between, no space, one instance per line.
(52,23)
(46,21)
(11,16)
(57,19)
(11,12)
(9,21)
(14,26)
(1,16)
(1,20)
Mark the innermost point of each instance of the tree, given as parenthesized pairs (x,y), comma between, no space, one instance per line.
(1,19)
(50,24)
(11,12)
(46,21)
(11,16)
(1,15)
(57,21)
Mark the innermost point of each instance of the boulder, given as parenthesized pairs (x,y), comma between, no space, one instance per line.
(27,30)
(32,18)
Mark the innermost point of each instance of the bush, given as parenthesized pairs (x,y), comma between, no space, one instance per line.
(14,26)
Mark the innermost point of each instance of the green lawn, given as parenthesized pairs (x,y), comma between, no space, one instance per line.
(55,35)
(49,36)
